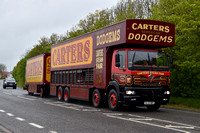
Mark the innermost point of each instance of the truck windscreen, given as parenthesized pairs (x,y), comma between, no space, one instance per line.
(147,60)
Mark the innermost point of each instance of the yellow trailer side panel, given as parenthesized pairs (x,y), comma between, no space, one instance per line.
(74,53)
(34,70)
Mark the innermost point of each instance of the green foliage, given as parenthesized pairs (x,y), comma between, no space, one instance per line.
(185,15)
(184,102)
(125,9)
(19,72)
(2,69)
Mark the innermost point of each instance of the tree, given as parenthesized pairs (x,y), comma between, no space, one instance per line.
(2,69)
(185,15)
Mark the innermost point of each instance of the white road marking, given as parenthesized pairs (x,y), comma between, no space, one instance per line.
(9,114)
(53,132)
(117,114)
(142,120)
(2,111)
(20,119)
(90,110)
(60,105)
(7,93)
(36,125)
(79,106)
(172,122)
(179,127)
(73,106)
(26,98)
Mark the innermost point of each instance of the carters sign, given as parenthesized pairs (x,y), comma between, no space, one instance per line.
(136,32)
(150,32)
(74,53)
(34,70)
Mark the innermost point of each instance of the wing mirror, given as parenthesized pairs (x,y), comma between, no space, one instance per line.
(117,60)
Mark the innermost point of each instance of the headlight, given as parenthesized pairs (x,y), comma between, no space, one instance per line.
(167,92)
(129,92)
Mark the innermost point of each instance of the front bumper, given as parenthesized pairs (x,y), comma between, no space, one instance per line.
(10,85)
(147,95)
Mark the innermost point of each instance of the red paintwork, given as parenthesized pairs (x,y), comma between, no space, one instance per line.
(82,93)
(121,75)
(53,90)
(66,94)
(59,93)
(41,93)
(33,88)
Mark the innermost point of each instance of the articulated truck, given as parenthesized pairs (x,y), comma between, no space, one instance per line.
(116,65)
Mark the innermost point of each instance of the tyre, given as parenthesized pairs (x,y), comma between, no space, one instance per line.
(60,94)
(153,107)
(14,87)
(42,92)
(113,100)
(4,87)
(97,99)
(66,95)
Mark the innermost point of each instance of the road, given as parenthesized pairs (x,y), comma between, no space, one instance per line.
(21,113)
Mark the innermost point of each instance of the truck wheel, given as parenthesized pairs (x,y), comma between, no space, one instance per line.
(113,100)
(153,107)
(42,93)
(67,95)
(97,98)
(60,94)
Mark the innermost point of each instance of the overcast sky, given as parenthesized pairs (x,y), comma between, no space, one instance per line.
(24,22)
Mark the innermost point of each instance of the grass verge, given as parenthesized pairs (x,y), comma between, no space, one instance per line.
(184,103)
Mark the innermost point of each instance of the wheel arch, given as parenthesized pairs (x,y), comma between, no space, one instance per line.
(113,85)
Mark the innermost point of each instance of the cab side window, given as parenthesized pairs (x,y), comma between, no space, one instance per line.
(122,58)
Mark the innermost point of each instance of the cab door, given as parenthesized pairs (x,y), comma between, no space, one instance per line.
(119,66)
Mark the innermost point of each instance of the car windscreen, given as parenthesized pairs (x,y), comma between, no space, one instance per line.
(10,80)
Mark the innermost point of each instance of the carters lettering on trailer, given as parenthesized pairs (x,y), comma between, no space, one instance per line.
(72,53)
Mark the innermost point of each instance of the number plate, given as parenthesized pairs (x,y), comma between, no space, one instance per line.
(149,102)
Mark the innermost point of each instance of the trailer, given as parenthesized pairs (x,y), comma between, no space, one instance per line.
(38,75)
(119,64)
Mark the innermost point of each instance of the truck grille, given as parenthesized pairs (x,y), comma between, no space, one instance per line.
(144,81)
(149,92)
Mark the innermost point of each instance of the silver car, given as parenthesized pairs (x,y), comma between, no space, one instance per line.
(9,82)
